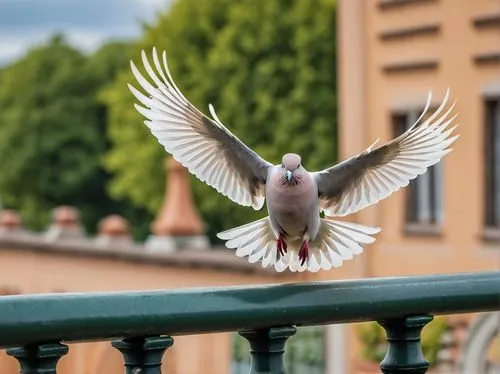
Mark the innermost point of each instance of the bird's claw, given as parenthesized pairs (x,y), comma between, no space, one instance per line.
(304,252)
(281,244)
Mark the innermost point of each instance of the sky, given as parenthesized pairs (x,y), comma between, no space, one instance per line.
(85,23)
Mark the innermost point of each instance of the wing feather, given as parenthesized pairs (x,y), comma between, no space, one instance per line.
(374,174)
(203,145)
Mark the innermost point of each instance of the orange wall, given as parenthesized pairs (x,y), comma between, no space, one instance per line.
(367,97)
(32,272)
(459,247)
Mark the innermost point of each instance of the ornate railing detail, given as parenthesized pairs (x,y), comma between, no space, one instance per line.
(143,355)
(267,315)
(404,351)
(40,358)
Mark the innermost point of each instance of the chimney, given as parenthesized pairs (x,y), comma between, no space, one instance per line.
(178,224)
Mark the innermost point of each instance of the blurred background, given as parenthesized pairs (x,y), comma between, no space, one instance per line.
(91,202)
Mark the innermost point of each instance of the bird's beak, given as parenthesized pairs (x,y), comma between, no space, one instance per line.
(288,175)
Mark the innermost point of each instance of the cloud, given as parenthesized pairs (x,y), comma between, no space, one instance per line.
(11,48)
(86,23)
(33,14)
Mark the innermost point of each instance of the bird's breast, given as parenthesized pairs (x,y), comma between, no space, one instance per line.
(290,197)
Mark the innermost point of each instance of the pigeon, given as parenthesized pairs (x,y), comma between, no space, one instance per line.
(295,235)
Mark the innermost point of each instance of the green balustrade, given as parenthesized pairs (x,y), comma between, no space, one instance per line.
(38,359)
(265,315)
(404,351)
(267,347)
(143,355)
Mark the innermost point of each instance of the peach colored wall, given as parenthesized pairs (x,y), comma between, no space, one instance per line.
(38,272)
(459,247)
(367,95)
(32,272)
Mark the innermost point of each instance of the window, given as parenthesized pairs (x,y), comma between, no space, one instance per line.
(424,195)
(492,164)
(304,352)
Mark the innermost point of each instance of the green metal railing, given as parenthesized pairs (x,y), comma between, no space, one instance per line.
(141,324)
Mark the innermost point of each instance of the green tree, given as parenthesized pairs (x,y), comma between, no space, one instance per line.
(52,129)
(269,68)
(103,65)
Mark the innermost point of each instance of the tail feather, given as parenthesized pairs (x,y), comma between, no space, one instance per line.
(240,230)
(336,242)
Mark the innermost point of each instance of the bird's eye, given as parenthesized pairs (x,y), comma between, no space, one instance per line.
(283,166)
(298,166)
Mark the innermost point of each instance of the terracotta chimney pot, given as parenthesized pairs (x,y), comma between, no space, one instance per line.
(65,224)
(10,219)
(66,216)
(114,226)
(178,215)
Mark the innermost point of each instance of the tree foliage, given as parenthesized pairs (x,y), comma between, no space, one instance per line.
(269,68)
(52,130)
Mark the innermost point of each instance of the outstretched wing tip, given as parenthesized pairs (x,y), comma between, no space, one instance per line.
(369,149)
(205,147)
(373,175)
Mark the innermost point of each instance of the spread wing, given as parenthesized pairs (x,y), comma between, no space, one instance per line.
(374,174)
(203,145)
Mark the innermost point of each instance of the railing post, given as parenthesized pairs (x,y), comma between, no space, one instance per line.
(143,355)
(267,347)
(38,359)
(404,351)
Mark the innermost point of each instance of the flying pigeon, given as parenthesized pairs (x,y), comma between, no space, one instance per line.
(293,236)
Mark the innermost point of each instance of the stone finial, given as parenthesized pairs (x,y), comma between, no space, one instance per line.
(114,225)
(10,221)
(66,216)
(178,223)
(114,230)
(65,223)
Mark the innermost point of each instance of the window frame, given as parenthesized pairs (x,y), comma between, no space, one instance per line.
(434,175)
(491,166)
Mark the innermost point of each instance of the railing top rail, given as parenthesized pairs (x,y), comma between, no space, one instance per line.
(98,316)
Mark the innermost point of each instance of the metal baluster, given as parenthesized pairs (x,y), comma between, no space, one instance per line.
(143,355)
(404,351)
(267,347)
(38,359)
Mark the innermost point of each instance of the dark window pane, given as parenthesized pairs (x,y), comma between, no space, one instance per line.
(423,194)
(492,164)
(400,122)
(400,125)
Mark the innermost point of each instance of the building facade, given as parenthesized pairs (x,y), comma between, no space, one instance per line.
(391,53)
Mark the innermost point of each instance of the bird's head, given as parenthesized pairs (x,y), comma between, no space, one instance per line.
(291,165)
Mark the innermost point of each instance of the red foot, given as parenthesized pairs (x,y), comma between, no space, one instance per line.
(304,252)
(281,245)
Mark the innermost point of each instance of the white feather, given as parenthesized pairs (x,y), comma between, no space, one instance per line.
(182,130)
(420,147)
(336,242)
